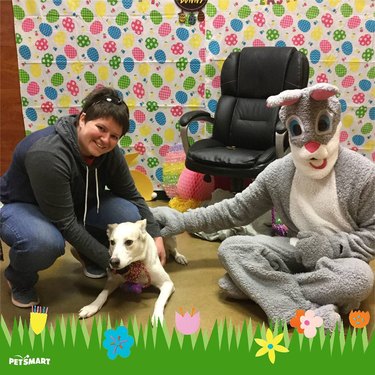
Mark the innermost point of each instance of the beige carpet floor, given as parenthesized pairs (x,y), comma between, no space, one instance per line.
(64,290)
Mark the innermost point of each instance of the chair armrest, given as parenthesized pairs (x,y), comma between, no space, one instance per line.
(281,139)
(280,128)
(188,117)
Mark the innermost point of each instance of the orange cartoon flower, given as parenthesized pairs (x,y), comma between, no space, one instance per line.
(295,322)
(359,319)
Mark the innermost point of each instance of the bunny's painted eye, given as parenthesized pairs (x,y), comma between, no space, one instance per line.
(295,127)
(324,123)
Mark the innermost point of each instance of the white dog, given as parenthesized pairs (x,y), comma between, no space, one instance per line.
(134,254)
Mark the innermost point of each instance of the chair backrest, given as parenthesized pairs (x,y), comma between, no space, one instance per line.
(248,78)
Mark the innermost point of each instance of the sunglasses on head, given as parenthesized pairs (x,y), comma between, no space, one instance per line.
(109,99)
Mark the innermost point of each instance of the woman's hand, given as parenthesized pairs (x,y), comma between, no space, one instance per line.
(161,250)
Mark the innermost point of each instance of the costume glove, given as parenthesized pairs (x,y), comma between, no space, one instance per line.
(312,246)
(171,221)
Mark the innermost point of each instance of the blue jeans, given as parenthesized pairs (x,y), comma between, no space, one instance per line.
(35,243)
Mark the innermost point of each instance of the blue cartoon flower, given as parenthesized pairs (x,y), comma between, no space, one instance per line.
(118,342)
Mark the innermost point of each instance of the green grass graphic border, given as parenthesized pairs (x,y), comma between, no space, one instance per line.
(70,346)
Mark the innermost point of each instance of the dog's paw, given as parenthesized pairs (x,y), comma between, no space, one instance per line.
(87,311)
(157,319)
(181,259)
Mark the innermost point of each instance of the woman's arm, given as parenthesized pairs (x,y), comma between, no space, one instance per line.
(50,180)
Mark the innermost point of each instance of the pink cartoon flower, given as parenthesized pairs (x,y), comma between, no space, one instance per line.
(187,324)
(309,323)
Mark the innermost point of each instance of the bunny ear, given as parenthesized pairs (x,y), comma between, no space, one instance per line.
(323,91)
(287,97)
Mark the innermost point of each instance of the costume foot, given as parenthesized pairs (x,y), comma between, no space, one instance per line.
(331,318)
(230,289)
(346,309)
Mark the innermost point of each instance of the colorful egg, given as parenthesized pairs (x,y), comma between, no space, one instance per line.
(45,29)
(195,65)
(31,114)
(50,93)
(181,97)
(182,33)
(128,64)
(214,47)
(160,56)
(96,27)
(93,54)
(25,52)
(61,62)
(70,51)
(114,32)
(348,81)
(160,118)
(164,29)
(28,25)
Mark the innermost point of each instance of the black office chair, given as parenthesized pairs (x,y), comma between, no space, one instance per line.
(247,136)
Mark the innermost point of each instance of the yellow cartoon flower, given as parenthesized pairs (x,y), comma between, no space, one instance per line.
(38,318)
(270,346)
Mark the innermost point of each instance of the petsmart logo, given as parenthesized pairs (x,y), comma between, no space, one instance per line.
(18,360)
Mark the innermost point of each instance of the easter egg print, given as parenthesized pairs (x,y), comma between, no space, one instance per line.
(163,67)
(25,52)
(45,29)
(87,15)
(50,93)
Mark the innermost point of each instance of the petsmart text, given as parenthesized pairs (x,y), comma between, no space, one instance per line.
(18,360)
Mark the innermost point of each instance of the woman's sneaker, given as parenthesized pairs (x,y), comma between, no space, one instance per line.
(90,269)
(22,297)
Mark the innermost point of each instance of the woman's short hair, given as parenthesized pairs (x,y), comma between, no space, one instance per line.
(105,102)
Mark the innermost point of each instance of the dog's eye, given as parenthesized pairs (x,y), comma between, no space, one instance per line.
(112,242)
(128,242)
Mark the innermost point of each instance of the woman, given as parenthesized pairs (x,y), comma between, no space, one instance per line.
(67,183)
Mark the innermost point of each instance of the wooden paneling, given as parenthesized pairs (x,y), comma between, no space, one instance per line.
(11,120)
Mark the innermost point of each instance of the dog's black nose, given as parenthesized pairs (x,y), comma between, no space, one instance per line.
(114,262)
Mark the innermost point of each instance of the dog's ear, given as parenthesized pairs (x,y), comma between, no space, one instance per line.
(110,229)
(142,225)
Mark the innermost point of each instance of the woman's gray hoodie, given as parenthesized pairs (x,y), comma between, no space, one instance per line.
(48,170)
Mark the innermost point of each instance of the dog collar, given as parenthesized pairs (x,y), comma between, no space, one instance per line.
(134,271)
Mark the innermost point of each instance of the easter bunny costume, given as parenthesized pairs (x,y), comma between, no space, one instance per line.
(324,193)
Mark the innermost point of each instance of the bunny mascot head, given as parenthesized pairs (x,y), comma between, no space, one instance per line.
(312,118)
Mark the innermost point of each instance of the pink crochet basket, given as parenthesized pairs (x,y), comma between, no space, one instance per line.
(192,185)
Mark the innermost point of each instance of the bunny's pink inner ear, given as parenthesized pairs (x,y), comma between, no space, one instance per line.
(321,94)
(288,97)
(290,101)
(281,102)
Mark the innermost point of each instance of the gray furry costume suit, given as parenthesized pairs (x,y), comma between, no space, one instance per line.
(323,263)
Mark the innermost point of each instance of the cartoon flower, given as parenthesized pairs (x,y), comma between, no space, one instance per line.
(38,318)
(295,322)
(187,324)
(359,319)
(118,342)
(270,346)
(309,323)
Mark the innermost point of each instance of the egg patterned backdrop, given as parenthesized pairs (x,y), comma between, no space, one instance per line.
(163,67)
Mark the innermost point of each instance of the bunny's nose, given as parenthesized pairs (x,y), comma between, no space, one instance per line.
(312,146)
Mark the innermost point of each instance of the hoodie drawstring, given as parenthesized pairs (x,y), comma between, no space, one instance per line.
(87,193)
(97,191)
